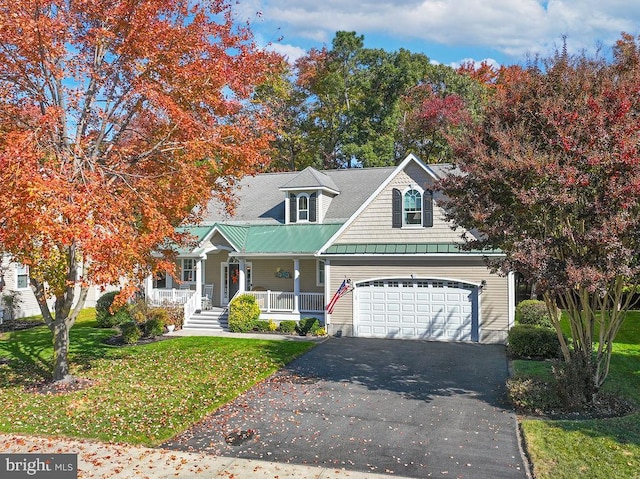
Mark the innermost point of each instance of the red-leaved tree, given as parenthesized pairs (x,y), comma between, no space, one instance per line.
(116,120)
(552,177)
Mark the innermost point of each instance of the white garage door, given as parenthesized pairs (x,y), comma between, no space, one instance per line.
(417,309)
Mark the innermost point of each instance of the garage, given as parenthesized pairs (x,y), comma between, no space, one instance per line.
(431,309)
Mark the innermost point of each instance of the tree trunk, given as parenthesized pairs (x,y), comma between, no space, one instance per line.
(60,330)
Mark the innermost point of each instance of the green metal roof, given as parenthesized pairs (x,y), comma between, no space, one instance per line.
(198,232)
(235,234)
(403,248)
(301,239)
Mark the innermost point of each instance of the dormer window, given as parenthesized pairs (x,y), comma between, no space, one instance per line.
(412,208)
(303,207)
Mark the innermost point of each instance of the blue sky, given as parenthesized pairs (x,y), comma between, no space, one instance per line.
(447,31)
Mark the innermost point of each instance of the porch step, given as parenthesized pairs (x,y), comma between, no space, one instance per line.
(212,320)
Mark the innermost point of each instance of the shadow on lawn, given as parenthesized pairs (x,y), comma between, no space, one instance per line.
(28,354)
(623,430)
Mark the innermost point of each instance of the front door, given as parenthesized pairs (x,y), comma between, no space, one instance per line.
(231,279)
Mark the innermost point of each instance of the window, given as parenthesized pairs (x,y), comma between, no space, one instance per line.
(303,207)
(320,270)
(160,280)
(22,277)
(412,208)
(189,270)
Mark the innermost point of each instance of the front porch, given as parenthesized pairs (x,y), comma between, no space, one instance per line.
(275,305)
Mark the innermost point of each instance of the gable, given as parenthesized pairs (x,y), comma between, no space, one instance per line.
(375,224)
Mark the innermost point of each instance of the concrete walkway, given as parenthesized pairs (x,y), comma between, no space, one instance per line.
(119,461)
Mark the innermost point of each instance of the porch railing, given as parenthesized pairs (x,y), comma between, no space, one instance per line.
(191,306)
(158,297)
(181,297)
(283,301)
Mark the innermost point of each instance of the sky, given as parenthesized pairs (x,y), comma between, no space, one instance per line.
(503,32)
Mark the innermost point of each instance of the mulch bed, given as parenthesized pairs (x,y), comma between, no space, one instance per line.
(18,325)
(604,406)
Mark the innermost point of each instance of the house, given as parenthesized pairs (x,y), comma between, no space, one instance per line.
(16,296)
(296,236)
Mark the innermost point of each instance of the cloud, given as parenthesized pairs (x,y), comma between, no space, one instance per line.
(515,28)
(290,52)
(476,63)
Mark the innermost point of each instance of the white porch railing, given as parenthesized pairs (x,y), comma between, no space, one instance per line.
(185,297)
(158,297)
(191,306)
(283,301)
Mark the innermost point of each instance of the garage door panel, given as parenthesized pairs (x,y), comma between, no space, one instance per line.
(421,309)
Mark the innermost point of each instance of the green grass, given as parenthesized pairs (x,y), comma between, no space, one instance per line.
(600,448)
(140,394)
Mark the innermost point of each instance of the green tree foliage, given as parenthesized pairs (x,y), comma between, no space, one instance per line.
(552,177)
(355,106)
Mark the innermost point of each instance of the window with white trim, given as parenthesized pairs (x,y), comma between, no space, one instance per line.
(189,270)
(22,277)
(412,212)
(303,207)
(320,270)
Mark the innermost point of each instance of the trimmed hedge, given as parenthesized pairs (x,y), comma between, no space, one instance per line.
(287,326)
(262,326)
(308,326)
(534,312)
(527,341)
(243,313)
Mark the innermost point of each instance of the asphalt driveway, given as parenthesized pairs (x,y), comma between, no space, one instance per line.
(409,408)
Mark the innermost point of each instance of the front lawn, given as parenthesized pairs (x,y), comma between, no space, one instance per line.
(596,448)
(140,394)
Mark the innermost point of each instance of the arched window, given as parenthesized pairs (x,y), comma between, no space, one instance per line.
(412,212)
(303,207)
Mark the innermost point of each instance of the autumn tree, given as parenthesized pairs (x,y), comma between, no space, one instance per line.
(116,119)
(552,177)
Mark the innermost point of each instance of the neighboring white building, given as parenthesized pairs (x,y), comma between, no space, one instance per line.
(17,286)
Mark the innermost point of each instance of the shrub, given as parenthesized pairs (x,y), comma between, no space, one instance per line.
(534,312)
(155,321)
(130,332)
(533,394)
(319,332)
(575,387)
(262,326)
(273,326)
(243,313)
(105,317)
(527,341)
(175,316)
(287,326)
(308,326)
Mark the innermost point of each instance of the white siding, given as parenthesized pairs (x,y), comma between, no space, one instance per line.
(28,306)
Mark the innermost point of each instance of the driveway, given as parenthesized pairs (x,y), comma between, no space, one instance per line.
(408,408)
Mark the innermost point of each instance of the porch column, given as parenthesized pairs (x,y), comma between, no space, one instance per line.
(327,291)
(148,287)
(199,283)
(296,285)
(242,275)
